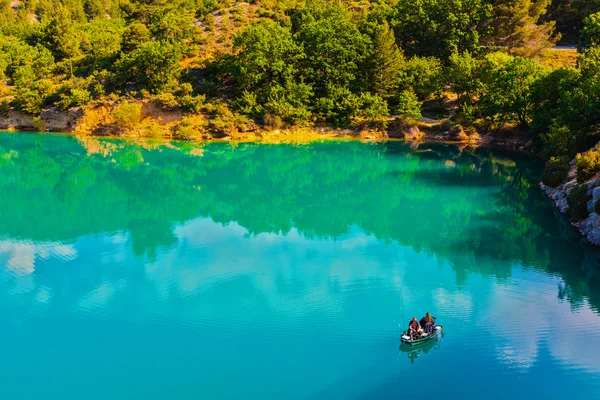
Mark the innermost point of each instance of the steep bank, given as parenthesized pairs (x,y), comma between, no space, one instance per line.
(588,226)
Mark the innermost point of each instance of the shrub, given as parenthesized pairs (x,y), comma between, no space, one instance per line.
(228,123)
(577,201)
(587,165)
(210,22)
(167,101)
(556,140)
(4,108)
(128,115)
(74,98)
(409,105)
(272,121)
(373,108)
(467,115)
(192,103)
(38,124)
(555,171)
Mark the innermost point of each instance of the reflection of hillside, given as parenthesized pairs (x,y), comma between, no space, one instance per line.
(465,207)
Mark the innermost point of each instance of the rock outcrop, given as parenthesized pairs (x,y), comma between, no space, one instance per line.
(588,227)
(52,119)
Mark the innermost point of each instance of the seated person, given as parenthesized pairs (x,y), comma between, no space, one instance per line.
(414,329)
(428,323)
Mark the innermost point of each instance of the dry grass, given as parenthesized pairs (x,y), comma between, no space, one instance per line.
(554,59)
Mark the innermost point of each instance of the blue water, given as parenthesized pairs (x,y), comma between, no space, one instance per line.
(153,271)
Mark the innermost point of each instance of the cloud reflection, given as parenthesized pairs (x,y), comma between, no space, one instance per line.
(21,256)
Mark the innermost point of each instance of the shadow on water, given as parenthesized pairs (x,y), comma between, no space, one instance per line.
(464,206)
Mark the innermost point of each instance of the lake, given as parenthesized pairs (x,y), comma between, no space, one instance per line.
(159,270)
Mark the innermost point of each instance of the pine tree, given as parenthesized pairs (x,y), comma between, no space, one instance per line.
(385,63)
(61,37)
(516,27)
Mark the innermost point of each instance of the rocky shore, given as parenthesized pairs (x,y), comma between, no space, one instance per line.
(426,130)
(52,119)
(589,227)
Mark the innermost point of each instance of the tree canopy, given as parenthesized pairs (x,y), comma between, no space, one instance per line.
(282,63)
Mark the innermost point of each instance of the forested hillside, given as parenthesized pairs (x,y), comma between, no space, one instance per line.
(226,66)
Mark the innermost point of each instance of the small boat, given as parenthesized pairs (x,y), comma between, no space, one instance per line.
(424,337)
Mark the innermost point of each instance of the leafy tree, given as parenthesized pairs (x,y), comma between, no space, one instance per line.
(441,28)
(569,16)
(7,14)
(153,67)
(334,49)
(590,35)
(508,90)
(556,171)
(265,55)
(423,75)
(31,93)
(175,26)
(463,77)
(577,201)
(558,107)
(587,165)
(290,102)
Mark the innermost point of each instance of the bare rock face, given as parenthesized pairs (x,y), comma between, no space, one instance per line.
(61,121)
(16,120)
(52,119)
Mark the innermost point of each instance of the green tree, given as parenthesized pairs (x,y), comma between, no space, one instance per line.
(385,63)
(508,90)
(61,37)
(339,107)
(334,49)
(153,67)
(102,41)
(423,75)
(134,36)
(590,35)
(409,105)
(265,55)
(558,106)
(441,28)
(517,27)
(373,108)
(463,77)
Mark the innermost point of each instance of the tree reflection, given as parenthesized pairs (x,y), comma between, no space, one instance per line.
(468,207)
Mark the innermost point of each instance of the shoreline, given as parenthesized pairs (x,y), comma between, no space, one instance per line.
(309,135)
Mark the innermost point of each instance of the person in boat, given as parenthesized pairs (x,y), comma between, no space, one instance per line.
(414,329)
(427,323)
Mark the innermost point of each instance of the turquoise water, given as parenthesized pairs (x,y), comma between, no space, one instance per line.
(181,271)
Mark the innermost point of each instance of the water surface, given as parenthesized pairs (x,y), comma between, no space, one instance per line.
(151,270)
